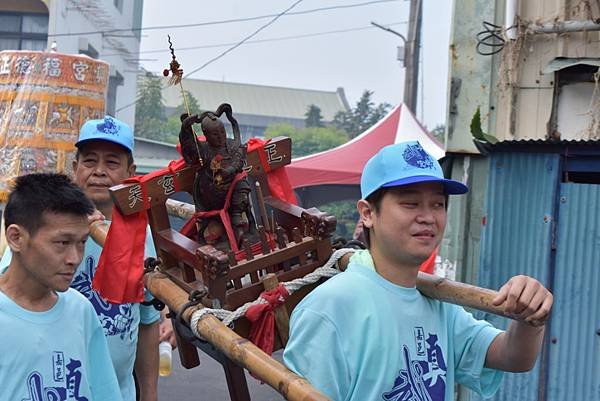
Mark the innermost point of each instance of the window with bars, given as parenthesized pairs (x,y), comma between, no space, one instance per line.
(22,31)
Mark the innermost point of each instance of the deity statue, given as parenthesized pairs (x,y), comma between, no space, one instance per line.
(222,160)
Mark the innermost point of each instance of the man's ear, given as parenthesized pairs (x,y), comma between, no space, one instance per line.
(15,237)
(365,211)
(131,169)
(74,165)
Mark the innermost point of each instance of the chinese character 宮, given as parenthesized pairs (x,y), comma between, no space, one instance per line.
(79,70)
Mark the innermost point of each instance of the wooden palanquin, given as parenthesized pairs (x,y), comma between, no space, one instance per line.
(301,238)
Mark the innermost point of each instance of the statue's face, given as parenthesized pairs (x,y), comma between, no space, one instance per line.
(214,131)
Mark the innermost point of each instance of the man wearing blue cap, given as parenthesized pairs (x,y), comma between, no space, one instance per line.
(368,334)
(104,158)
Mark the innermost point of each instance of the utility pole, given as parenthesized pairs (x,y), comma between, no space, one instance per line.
(411,53)
(411,80)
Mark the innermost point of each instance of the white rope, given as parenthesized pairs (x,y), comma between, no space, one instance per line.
(329,269)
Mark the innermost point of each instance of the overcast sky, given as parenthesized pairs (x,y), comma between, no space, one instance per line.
(363,57)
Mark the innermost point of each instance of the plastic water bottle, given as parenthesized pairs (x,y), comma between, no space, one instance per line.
(165,363)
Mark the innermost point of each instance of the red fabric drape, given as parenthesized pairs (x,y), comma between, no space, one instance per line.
(119,276)
(222,213)
(429,265)
(279,183)
(262,318)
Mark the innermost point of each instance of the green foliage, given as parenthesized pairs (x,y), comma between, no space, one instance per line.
(150,119)
(171,130)
(307,141)
(477,131)
(362,116)
(192,104)
(313,117)
(346,214)
(149,113)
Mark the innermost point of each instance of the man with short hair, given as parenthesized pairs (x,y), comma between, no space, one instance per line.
(104,158)
(53,346)
(368,334)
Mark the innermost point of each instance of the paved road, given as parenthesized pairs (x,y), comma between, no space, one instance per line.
(207,383)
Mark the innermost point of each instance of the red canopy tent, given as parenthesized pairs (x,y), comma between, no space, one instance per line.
(337,171)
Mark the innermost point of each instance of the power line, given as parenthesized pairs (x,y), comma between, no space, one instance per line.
(220,22)
(241,42)
(281,38)
(232,47)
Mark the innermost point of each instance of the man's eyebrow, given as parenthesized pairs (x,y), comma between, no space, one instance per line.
(113,155)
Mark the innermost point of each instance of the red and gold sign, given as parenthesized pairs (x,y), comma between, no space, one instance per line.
(44,99)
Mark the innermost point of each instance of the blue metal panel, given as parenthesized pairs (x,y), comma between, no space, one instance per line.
(516,239)
(574,371)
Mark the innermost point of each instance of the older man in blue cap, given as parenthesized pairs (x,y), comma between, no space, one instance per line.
(368,334)
(104,158)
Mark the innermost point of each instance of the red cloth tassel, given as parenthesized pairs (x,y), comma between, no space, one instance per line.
(262,318)
(119,278)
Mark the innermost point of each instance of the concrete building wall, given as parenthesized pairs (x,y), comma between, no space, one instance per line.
(87,27)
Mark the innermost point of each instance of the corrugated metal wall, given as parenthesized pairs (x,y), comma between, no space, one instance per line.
(523,210)
(574,369)
(516,238)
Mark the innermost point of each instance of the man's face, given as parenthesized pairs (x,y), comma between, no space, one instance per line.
(52,254)
(409,223)
(101,165)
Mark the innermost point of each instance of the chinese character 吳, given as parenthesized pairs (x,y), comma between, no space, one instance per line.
(135,195)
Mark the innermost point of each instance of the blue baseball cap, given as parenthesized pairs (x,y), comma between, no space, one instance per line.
(403,164)
(109,129)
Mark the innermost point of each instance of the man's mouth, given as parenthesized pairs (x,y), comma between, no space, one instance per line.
(67,275)
(424,234)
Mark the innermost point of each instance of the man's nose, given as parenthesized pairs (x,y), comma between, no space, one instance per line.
(100,169)
(425,215)
(74,255)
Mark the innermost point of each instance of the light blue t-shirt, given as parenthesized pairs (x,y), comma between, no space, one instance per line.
(360,337)
(120,322)
(60,354)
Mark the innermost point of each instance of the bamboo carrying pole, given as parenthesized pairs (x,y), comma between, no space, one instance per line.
(238,349)
(444,290)
(247,355)
(450,291)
